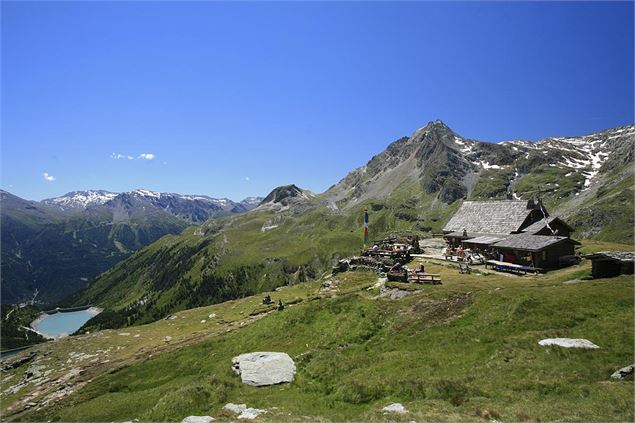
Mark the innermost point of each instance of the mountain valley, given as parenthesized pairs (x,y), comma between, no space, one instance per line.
(183,278)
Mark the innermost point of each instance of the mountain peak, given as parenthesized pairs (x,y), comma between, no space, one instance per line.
(437,123)
(282,192)
(435,129)
(283,195)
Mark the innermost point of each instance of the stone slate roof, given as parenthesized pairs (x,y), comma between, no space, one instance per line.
(541,224)
(528,242)
(485,239)
(623,256)
(489,217)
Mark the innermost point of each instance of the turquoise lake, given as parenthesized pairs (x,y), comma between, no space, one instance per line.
(61,324)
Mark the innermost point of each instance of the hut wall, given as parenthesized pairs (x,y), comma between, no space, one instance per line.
(548,258)
(605,268)
(554,253)
(628,268)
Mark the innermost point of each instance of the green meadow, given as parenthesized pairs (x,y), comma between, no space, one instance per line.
(466,350)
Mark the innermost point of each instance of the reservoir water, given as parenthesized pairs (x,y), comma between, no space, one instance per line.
(61,324)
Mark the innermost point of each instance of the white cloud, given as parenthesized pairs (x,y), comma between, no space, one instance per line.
(47,177)
(247,178)
(120,156)
(146,156)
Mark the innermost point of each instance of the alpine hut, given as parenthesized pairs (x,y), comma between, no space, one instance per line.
(492,219)
(516,231)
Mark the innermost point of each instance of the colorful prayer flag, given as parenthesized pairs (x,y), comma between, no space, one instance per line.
(365,227)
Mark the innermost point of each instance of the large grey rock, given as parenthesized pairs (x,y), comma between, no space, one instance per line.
(569,343)
(235,408)
(394,408)
(264,368)
(624,372)
(251,413)
(198,419)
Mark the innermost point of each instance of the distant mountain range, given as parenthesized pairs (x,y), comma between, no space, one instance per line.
(194,208)
(416,184)
(53,247)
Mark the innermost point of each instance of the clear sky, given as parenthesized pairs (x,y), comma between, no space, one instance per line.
(234,99)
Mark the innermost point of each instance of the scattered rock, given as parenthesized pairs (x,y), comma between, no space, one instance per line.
(137,335)
(251,413)
(198,419)
(394,408)
(624,372)
(211,316)
(235,408)
(124,334)
(34,371)
(393,293)
(264,368)
(167,339)
(569,343)
(203,321)
(15,363)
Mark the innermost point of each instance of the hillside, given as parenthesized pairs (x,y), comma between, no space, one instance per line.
(416,184)
(52,248)
(466,350)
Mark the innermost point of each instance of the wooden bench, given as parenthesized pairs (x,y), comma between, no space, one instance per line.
(431,278)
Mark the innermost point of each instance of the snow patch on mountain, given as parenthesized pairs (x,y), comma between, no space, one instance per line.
(80,199)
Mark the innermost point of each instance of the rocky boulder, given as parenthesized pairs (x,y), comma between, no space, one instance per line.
(394,408)
(251,413)
(264,368)
(624,372)
(235,408)
(569,343)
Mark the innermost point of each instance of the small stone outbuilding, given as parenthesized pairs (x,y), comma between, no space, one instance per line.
(607,264)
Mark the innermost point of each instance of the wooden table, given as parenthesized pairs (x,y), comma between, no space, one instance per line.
(432,278)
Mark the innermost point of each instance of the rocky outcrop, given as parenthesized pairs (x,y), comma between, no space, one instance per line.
(17,362)
(624,372)
(264,368)
(569,343)
(394,408)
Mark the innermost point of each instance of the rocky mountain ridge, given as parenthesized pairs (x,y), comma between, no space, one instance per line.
(449,165)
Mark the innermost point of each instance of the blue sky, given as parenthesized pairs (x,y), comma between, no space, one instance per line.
(233,99)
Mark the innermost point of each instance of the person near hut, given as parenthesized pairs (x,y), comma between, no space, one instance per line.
(280,305)
(461,253)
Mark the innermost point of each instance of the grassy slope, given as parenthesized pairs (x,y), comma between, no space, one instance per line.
(460,351)
(232,258)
